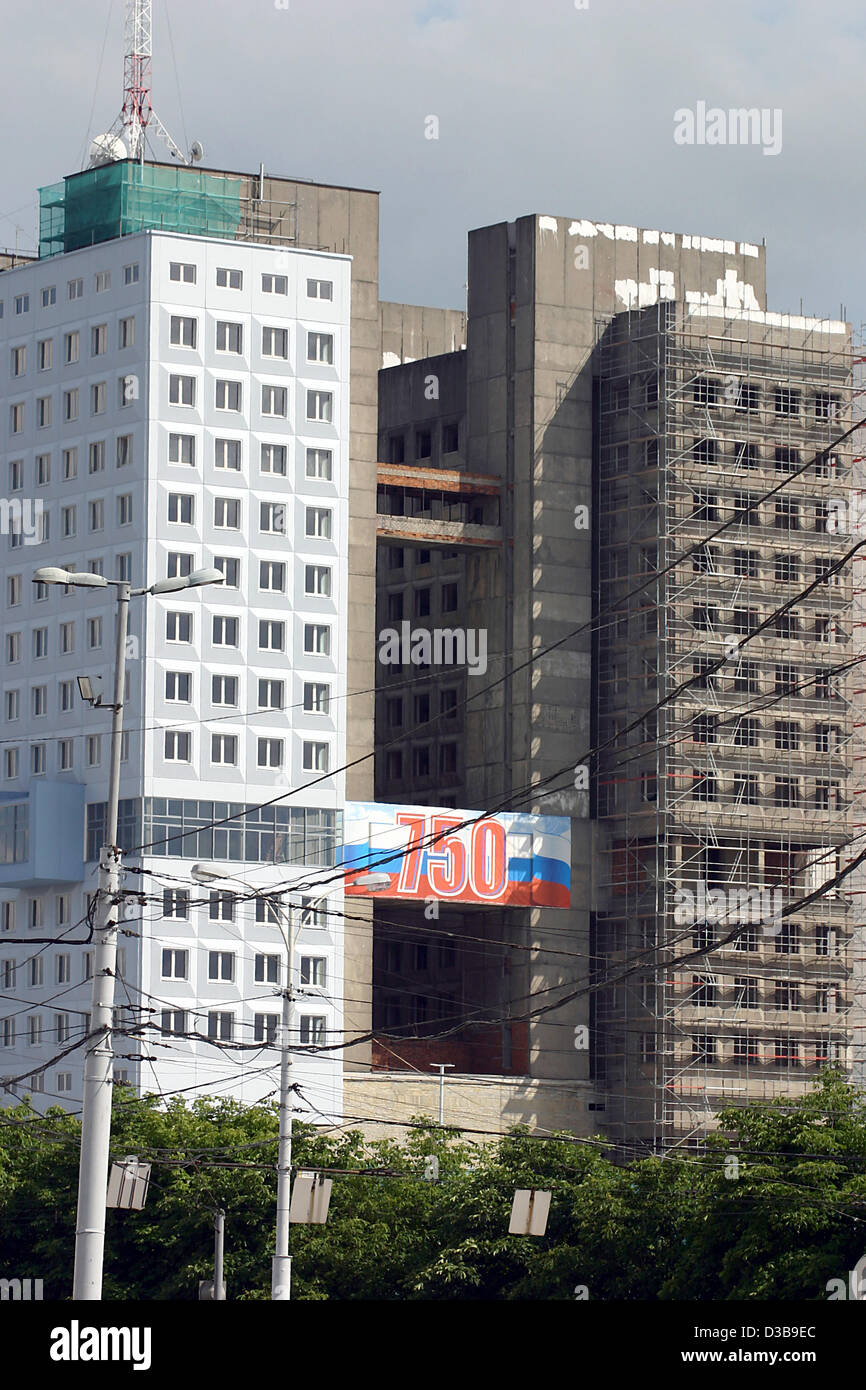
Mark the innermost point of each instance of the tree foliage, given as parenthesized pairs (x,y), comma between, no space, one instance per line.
(772,1210)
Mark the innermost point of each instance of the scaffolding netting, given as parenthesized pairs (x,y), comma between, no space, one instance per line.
(118,199)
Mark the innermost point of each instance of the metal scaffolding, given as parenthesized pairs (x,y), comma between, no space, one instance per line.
(729,802)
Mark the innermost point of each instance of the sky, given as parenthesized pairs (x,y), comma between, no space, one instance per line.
(563,107)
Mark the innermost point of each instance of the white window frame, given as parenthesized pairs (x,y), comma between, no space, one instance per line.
(183,331)
(180,386)
(179,445)
(222,623)
(226,450)
(182,504)
(271,628)
(177,746)
(178,619)
(321,403)
(268,749)
(227,513)
(224,750)
(275,342)
(319,523)
(275,401)
(177,961)
(225,392)
(318,340)
(229,332)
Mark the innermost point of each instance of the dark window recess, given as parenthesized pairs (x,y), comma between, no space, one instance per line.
(448,758)
(705,391)
(448,703)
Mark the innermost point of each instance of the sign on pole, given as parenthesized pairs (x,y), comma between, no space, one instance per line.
(127,1184)
(529,1212)
(206,1291)
(311,1194)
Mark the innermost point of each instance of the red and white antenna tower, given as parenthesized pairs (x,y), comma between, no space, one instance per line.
(137,113)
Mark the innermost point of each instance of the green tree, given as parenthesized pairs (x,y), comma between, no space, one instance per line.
(772,1210)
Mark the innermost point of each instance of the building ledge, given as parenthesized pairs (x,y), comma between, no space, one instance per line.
(445,533)
(438,479)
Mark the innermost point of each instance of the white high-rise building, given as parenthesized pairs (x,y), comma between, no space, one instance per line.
(170,402)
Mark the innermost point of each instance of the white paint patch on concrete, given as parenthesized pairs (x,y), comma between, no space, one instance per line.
(583,228)
(548,224)
(771,320)
(730,293)
(627,291)
(709,243)
(390,359)
(640,296)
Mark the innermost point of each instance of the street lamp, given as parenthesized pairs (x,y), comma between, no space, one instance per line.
(98,1059)
(281,1269)
(441,1067)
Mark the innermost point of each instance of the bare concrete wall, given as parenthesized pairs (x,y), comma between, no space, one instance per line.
(408,332)
(420,395)
(488,1105)
(538,289)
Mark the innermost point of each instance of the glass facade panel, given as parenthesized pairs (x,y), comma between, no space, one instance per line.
(170,828)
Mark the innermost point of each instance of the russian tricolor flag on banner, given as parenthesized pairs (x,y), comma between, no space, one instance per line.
(510,859)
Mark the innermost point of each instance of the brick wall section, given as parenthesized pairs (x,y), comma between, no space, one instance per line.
(478,1050)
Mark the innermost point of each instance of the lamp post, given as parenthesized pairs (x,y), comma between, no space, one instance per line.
(281,1267)
(98,1058)
(441,1067)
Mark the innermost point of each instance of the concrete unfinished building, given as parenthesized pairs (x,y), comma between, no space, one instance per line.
(637,374)
(718,486)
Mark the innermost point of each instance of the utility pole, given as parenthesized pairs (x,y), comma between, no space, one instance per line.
(281,1280)
(219,1235)
(99,1057)
(281,1262)
(441,1067)
(281,1269)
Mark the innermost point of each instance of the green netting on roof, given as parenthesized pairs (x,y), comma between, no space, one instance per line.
(118,199)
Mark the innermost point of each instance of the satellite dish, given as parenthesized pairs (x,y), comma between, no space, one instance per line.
(196,151)
(106,149)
